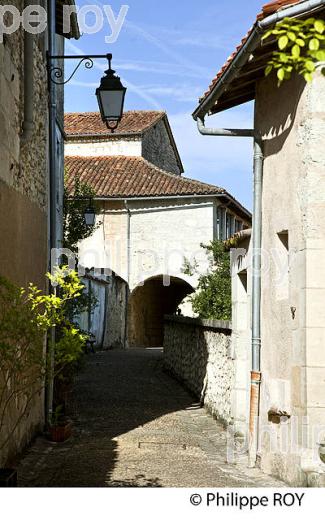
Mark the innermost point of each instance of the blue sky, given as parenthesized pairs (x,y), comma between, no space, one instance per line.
(166,54)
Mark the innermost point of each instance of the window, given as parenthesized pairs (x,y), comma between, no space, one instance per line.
(230,225)
(281,260)
(238,225)
(220,223)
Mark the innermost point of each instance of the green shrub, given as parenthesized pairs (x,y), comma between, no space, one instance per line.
(26,316)
(212,300)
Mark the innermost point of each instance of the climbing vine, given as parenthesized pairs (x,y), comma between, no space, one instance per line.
(301,45)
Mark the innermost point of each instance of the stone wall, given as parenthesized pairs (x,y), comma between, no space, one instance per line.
(107,320)
(23,167)
(23,192)
(157,149)
(116,318)
(198,352)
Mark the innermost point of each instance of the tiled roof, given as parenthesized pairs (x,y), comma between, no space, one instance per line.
(267,10)
(122,176)
(134,122)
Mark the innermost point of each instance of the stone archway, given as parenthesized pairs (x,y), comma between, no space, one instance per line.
(148,304)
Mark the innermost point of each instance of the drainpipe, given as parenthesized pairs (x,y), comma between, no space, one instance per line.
(128,260)
(256,277)
(28,123)
(52,196)
(256,303)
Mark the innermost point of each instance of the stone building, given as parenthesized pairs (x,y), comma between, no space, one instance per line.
(151,217)
(24,174)
(290,122)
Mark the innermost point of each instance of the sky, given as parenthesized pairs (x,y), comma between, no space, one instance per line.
(166,55)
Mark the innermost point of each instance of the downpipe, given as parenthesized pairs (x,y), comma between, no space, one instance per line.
(256,375)
(52,201)
(28,123)
(127,288)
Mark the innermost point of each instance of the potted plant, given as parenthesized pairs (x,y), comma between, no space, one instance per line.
(26,315)
(61,426)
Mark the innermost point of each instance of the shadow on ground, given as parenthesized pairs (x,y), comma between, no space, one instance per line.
(116,392)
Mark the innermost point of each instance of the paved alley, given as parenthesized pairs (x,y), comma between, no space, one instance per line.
(135,426)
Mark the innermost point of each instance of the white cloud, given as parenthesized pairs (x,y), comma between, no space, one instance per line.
(183,93)
(157,67)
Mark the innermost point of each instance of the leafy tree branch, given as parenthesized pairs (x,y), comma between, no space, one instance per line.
(301,45)
(75,204)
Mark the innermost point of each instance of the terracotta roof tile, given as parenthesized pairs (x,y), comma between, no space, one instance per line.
(268,9)
(134,122)
(122,176)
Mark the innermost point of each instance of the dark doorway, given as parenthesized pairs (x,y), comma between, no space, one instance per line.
(147,306)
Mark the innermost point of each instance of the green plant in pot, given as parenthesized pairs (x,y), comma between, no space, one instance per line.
(26,316)
(60,428)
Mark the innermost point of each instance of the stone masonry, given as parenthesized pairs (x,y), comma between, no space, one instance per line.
(198,352)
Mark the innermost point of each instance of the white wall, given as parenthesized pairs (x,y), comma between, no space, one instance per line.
(126,147)
(162,234)
(241,335)
(292,122)
(162,238)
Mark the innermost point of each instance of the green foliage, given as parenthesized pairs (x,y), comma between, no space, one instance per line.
(26,315)
(301,46)
(74,225)
(212,300)
(58,416)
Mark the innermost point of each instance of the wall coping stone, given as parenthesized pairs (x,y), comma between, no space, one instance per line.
(224,326)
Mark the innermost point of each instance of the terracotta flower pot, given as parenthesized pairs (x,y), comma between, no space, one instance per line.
(60,432)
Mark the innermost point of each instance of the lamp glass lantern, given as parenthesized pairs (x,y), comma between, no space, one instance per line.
(90,216)
(110,96)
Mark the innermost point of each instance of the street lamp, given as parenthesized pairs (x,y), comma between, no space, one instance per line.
(110,97)
(90,216)
(110,93)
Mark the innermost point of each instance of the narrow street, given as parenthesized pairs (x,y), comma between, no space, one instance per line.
(135,426)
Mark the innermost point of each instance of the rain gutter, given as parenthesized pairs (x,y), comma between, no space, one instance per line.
(231,200)
(199,114)
(248,48)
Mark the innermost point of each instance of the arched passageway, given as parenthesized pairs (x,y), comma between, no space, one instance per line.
(147,306)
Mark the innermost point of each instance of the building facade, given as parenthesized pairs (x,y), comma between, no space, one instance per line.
(24,178)
(290,122)
(151,217)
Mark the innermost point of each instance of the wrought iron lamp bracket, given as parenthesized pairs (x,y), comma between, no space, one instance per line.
(55,72)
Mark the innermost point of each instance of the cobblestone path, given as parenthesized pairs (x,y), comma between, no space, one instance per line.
(135,426)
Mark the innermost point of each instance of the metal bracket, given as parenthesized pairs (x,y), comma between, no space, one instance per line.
(56,73)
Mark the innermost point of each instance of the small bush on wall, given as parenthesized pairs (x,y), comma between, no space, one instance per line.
(212,300)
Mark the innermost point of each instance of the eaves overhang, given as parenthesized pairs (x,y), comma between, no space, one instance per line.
(235,84)
(224,197)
